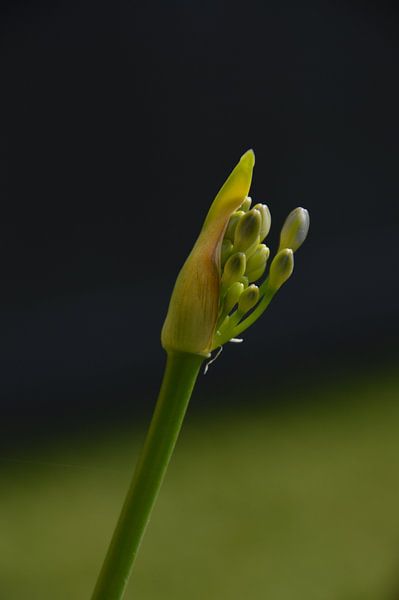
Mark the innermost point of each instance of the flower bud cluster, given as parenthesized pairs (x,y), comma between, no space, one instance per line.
(244,257)
(217,293)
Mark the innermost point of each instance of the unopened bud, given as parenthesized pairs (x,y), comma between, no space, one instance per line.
(246,205)
(256,264)
(295,229)
(247,230)
(231,227)
(226,250)
(281,268)
(252,248)
(266,220)
(232,296)
(248,299)
(244,281)
(234,268)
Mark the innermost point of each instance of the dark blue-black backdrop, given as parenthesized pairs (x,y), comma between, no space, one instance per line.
(119,122)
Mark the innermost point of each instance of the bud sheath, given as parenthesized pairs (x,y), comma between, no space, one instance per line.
(194,305)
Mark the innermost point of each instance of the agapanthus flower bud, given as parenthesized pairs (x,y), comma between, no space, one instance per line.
(247,230)
(295,229)
(248,299)
(266,220)
(256,264)
(232,225)
(226,250)
(244,281)
(232,296)
(281,268)
(234,268)
(246,205)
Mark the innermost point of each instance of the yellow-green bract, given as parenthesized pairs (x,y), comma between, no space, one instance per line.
(193,309)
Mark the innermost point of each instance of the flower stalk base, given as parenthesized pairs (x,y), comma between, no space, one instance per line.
(178,382)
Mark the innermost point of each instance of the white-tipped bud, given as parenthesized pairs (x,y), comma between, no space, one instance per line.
(226,250)
(295,229)
(232,296)
(247,231)
(232,225)
(234,269)
(248,299)
(256,264)
(246,205)
(281,268)
(266,220)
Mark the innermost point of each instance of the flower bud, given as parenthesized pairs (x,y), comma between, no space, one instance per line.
(266,220)
(234,268)
(281,268)
(247,230)
(295,229)
(256,264)
(232,296)
(233,222)
(248,299)
(244,281)
(226,250)
(252,248)
(246,205)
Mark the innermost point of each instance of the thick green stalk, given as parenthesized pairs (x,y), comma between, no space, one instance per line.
(178,382)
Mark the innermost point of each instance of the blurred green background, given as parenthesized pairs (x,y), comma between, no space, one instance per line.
(290,499)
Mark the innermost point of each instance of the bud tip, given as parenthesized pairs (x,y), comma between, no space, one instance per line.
(248,158)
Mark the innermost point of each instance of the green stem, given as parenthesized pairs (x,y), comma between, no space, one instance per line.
(178,382)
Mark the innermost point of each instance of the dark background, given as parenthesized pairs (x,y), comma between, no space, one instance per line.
(119,123)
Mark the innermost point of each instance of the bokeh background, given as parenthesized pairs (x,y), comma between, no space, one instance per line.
(119,123)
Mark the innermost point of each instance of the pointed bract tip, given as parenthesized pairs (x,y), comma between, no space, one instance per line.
(248,158)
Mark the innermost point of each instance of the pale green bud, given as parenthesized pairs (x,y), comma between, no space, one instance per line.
(295,229)
(248,299)
(232,296)
(247,230)
(244,281)
(256,264)
(246,205)
(266,220)
(281,268)
(231,227)
(256,274)
(226,250)
(252,248)
(234,268)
